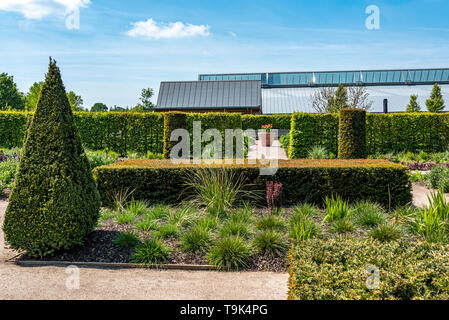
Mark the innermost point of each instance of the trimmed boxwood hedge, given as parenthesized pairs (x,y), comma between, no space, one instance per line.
(352,134)
(303,180)
(336,269)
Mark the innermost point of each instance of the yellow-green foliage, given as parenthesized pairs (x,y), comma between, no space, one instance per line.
(303,180)
(352,134)
(279,121)
(337,269)
(54,203)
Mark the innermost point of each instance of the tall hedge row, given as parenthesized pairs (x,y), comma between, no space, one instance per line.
(352,134)
(385,133)
(116,131)
(309,130)
(172,121)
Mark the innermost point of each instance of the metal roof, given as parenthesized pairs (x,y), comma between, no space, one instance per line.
(210,94)
(289,100)
(334,78)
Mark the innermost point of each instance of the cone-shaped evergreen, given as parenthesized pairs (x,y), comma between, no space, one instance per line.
(413,105)
(436,102)
(54,203)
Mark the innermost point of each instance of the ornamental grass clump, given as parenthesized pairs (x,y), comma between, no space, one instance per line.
(217,189)
(54,203)
(151,251)
(270,243)
(230,253)
(336,208)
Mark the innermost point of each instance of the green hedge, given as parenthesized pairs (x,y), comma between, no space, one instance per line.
(412,132)
(352,134)
(281,122)
(303,180)
(172,121)
(309,130)
(336,269)
(116,131)
(385,133)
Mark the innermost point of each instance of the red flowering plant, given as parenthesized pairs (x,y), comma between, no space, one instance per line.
(267,128)
(274,196)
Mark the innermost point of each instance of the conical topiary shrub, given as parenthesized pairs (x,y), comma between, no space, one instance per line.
(54,203)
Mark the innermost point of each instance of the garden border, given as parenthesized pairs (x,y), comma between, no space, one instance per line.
(185,267)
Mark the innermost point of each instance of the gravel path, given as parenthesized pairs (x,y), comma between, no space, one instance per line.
(51,282)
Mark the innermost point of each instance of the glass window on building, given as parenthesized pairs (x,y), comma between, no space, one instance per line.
(445,75)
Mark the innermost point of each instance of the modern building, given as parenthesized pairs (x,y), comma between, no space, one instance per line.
(283,93)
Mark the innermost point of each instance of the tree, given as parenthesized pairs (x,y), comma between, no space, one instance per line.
(145,98)
(119,109)
(54,203)
(32,96)
(436,102)
(323,100)
(75,101)
(10,96)
(413,105)
(358,98)
(99,107)
(341,99)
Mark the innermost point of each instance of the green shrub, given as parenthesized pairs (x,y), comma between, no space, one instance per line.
(8,171)
(196,239)
(352,134)
(439,178)
(318,152)
(167,231)
(342,225)
(255,122)
(270,223)
(55,203)
(125,217)
(336,208)
(151,251)
(309,181)
(429,224)
(270,243)
(101,158)
(368,214)
(137,208)
(337,269)
(172,121)
(126,240)
(158,212)
(236,228)
(386,231)
(147,225)
(302,226)
(285,142)
(217,190)
(230,253)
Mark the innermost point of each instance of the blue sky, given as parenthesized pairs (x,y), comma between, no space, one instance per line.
(105,61)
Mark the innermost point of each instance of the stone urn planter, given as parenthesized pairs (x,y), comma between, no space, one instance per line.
(265,136)
(266,139)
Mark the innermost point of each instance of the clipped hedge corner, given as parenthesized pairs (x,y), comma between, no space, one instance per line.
(352,134)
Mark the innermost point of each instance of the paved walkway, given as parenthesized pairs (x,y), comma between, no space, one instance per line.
(257,151)
(50,282)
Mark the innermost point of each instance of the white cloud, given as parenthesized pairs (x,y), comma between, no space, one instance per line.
(152,30)
(38,9)
(233,34)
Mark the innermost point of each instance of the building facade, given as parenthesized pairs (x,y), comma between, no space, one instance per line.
(284,93)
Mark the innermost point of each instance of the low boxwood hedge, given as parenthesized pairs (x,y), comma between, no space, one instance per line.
(331,269)
(303,180)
